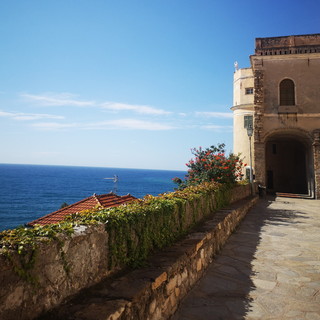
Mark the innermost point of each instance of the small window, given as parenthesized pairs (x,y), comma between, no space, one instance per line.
(287,95)
(249,90)
(248,122)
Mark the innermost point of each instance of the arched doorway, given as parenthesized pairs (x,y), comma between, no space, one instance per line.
(289,165)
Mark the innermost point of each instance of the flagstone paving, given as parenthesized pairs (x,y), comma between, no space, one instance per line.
(269,268)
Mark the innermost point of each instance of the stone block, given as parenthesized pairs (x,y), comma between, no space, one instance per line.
(159,280)
(152,306)
(199,265)
(171,284)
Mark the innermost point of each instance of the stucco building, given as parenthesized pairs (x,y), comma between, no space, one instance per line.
(279,96)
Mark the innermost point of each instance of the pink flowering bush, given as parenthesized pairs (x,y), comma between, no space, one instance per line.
(212,165)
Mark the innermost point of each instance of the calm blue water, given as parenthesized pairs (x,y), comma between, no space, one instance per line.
(28,192)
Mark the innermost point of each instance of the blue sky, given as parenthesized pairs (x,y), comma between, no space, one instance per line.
(131,84)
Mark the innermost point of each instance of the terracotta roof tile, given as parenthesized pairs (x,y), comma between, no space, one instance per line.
(104,200)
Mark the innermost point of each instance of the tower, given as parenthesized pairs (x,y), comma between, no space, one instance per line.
(243,111)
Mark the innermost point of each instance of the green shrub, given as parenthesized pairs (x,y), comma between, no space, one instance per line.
(135,229)
(212,165)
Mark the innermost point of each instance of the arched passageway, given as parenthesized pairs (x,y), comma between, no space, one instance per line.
(288,165)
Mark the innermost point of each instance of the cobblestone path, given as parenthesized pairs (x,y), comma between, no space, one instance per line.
(269,268)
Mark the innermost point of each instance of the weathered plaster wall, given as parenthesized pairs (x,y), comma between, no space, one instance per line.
(242,79)
(242,106)
(298,122)
(62,268)
(304,71)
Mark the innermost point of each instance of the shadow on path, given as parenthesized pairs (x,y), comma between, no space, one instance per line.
(231,284)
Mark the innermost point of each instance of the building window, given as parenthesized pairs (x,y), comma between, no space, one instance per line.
(287,95)
(249,90)
(248,122)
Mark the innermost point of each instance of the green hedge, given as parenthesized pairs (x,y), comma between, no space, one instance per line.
(142,226)
(134,230)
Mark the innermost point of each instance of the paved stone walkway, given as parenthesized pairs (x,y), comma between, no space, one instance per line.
(269,268)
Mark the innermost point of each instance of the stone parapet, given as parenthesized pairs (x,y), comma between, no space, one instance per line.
(154,292)
(62,267)
(295,44)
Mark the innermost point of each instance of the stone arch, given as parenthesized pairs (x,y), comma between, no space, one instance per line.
(289,161)
(302,134)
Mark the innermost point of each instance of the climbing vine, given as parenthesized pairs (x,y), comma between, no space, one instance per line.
(20,246)
(135,229)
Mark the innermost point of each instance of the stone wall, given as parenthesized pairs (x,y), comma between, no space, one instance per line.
(316,161)
(26,293)
(295,44)
(154,292)
(65,266)
(258,148)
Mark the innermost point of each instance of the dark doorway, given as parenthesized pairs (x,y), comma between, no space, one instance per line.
(286,166)
(270,179)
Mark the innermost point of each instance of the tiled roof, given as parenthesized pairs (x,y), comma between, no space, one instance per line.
(112,200)
(104,200)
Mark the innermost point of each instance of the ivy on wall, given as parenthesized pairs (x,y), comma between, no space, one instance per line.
(135,229)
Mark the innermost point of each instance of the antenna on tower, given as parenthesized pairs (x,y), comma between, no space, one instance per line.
(115,179)
(236,66)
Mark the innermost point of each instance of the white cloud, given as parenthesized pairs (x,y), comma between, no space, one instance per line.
(138,125)
(28,116)
(215,114)
(128,124)
(54,125)
(116,106)
(217,128)
(68,99)
(61,99)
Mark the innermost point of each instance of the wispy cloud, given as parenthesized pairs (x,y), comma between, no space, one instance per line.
(60,99)
(126,124)
(54,125)
(28,116)
(68,99)
(116,106)
(138,125)
(215,114)
(217,128)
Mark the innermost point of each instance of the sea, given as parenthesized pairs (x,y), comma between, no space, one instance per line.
(28,192)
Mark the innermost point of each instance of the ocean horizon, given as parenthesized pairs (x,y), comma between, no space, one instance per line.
(30,191)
